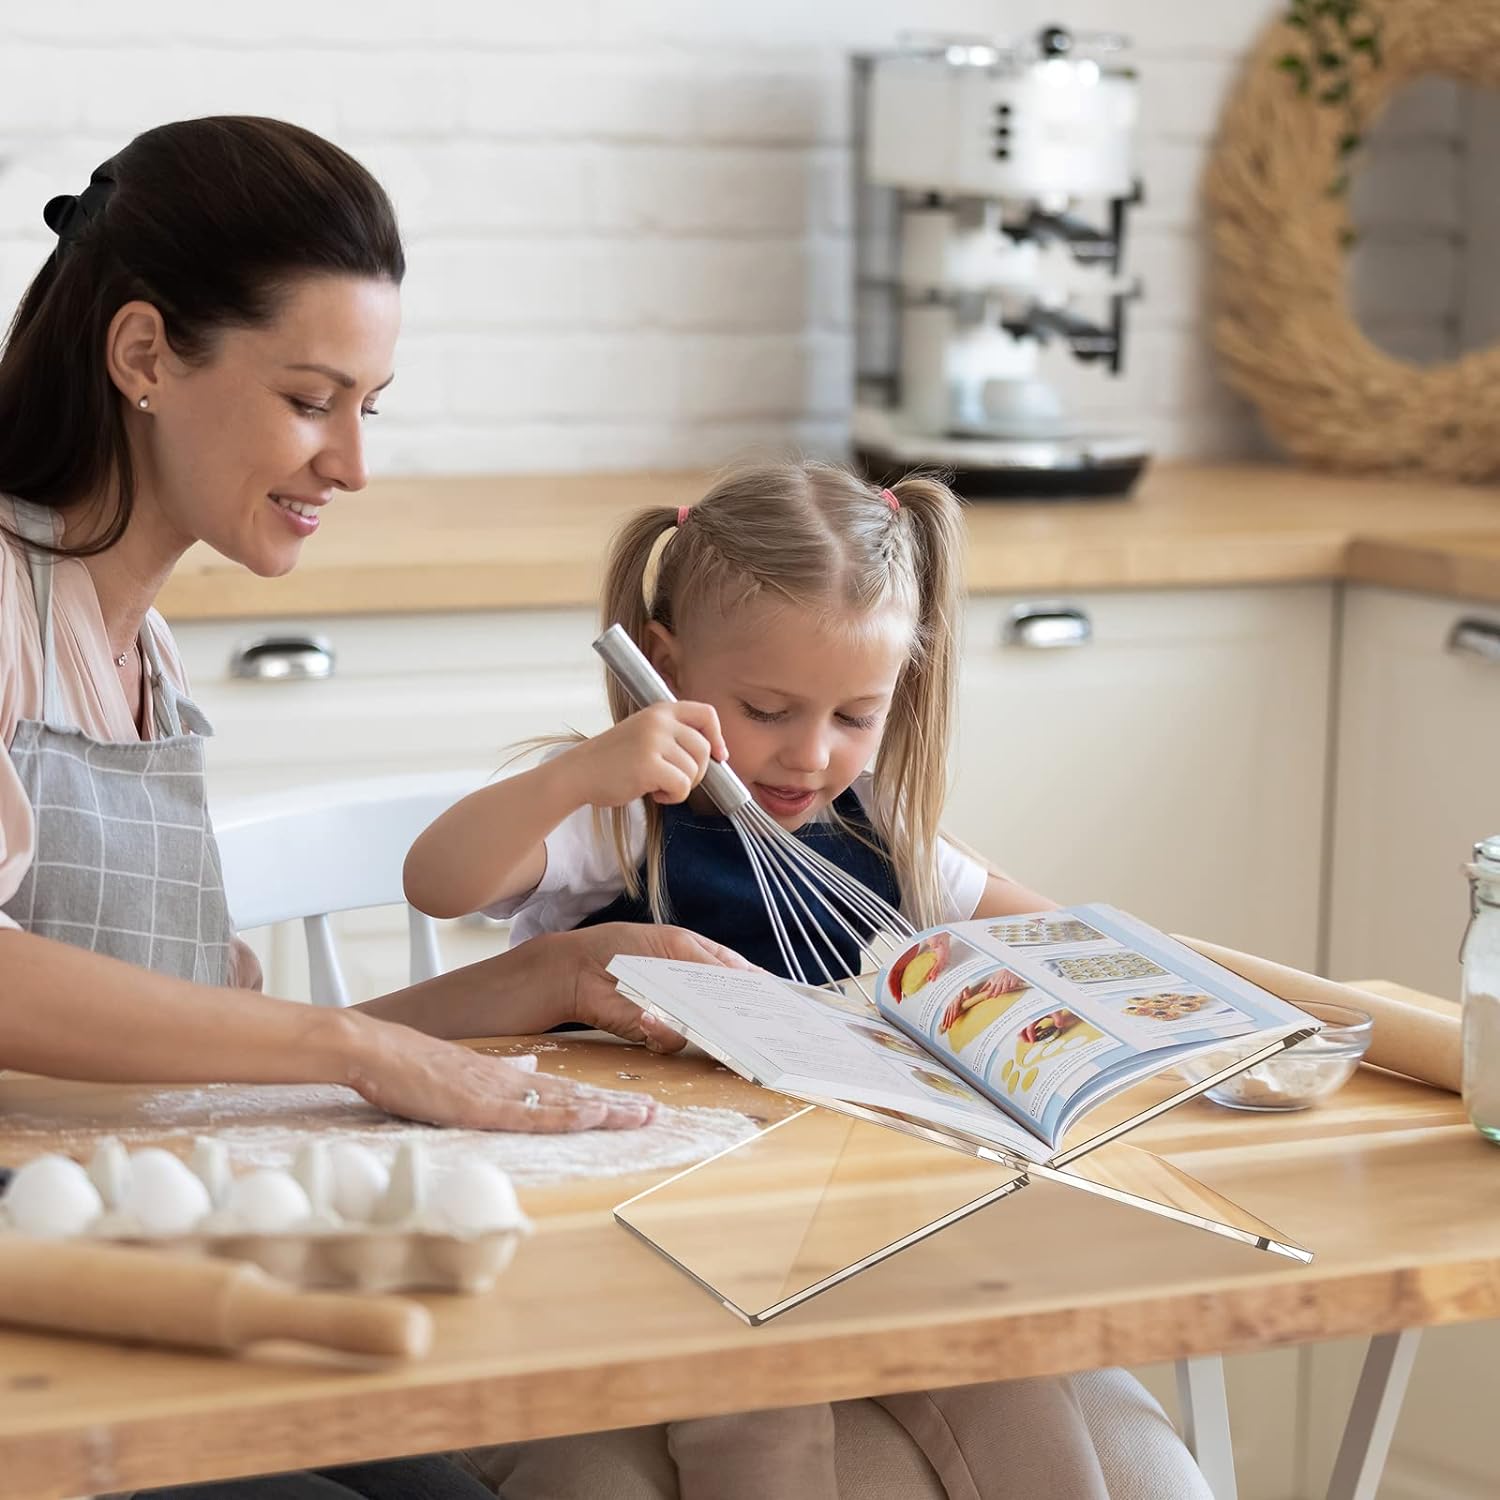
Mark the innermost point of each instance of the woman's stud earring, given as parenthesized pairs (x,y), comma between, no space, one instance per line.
(144,402)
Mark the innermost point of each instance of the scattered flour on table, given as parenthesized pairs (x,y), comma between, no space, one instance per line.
(263,1127)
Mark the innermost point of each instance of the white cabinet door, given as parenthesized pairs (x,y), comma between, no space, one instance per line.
(1418,782)
(1173,764)
(406,693)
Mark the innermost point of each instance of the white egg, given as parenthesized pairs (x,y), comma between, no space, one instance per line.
(52,1196)
(267,1202)
(359,1180)
(475,1198)
(164,1196)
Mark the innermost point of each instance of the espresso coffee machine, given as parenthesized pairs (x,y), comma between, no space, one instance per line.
(991,188)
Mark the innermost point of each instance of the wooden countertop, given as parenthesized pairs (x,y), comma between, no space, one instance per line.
(589,1328)
(498,542)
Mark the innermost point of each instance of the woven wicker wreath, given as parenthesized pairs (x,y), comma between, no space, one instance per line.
(1280,230)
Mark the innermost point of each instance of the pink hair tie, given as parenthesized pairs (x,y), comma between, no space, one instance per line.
(890,499)
(683,512)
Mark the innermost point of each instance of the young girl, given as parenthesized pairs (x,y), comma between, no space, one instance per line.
(806,621)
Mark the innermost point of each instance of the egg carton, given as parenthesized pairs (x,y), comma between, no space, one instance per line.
(337,1219)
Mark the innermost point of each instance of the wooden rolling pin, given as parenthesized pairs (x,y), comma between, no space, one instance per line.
(1417,1043)
(162,1297)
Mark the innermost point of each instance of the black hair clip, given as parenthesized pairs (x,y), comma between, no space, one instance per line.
(69,214)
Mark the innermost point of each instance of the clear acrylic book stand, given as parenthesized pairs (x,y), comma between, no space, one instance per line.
(834,1189)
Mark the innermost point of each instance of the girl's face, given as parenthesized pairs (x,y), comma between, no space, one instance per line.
(802,705)
(247,448)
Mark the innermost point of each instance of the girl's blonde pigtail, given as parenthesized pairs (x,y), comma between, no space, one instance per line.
(911,769)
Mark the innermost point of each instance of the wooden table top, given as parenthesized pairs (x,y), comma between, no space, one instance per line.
(442,543)
(1398,1196)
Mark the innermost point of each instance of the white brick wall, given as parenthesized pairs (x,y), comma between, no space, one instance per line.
(627,221)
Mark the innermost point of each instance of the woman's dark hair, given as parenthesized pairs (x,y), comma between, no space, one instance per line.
(209,221)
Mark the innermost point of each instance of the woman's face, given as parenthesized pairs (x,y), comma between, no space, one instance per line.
(246,449)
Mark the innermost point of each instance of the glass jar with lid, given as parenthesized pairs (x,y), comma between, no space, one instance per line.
(1480,956)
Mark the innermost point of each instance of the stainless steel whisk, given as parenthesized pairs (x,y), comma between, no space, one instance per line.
(801,890)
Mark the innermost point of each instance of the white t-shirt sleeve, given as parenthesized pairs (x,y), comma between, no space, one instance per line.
(582,875)
(961,878)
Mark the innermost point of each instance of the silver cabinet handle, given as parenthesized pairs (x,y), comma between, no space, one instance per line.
(282,658)
(1475,637)
(1044,627)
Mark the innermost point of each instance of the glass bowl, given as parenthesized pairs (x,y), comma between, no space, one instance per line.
(1302,1075)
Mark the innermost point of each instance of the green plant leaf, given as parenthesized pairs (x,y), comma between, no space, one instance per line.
(1297,69)
(1337,93)
(1350,142)
(1339,186)
(1348,238)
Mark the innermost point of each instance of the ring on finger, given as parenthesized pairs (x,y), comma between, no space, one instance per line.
(530,1099)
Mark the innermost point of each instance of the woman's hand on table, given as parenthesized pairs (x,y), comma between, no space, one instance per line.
(420,1077)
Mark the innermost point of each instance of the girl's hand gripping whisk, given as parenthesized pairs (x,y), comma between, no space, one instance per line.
(660,751)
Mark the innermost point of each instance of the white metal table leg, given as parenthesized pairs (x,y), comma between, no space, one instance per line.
(1205,1422)
(1372,1417)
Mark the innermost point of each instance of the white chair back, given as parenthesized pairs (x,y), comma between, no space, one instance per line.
(311,851)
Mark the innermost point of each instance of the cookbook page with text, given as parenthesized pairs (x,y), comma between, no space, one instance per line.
(812,1043)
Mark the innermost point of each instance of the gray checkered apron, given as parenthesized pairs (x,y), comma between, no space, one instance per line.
(125,861)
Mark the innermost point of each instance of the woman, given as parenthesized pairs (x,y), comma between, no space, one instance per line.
(194,363)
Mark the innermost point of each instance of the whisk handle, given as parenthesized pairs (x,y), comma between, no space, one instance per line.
(644,683)
(628,662)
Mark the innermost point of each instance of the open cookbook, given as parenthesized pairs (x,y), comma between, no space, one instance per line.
(1001,1033)
(991,1040)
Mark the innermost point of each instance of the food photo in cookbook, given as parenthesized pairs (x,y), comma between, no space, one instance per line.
(1168,1006)
(1043,1052)
(921,983)
(889,1040)
(941,1083)
(1043,931)
(979,1005)
(1112,965)
(1165,1011)
(920,965)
